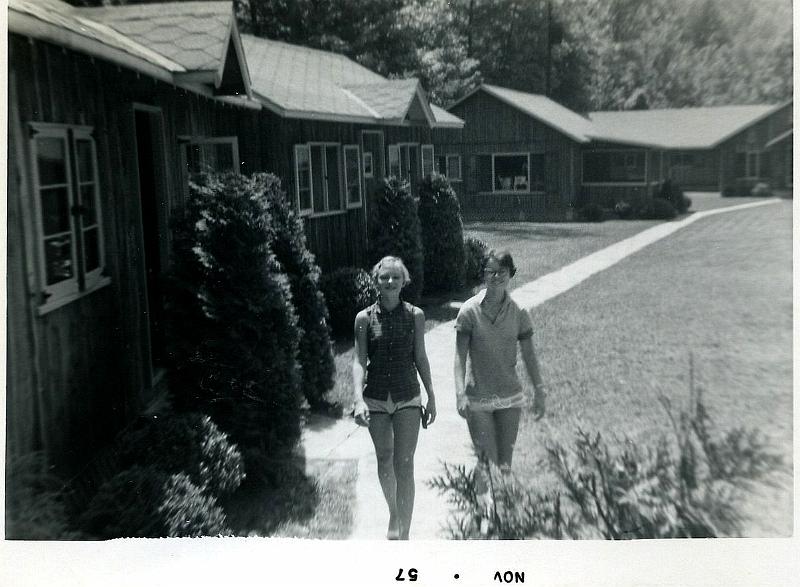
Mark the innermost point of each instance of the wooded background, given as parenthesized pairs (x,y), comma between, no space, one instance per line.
(585,54)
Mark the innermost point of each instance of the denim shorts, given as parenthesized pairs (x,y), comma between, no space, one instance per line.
(387,406)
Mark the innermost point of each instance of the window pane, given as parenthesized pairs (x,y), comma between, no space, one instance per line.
(304,178)
(334,185)
(87,201)
(85,160)
(394,162)
(351,173)
(537,171)
(454,167)
(318,178)
(511,172)
(91,248)
(50,154)
(58,258)
(368,171)
(223,156)
(55,210)
(427,161)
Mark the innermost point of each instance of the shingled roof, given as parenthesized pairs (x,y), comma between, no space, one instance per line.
(542,109)
(300,82)
(186,43)
(677,128)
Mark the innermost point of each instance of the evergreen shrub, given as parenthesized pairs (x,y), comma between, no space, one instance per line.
(395,230)
(657,209)
(348,290)
(761,190)
(185,443)
(474,254)
(233,329)
(624,210)
(672,193)
(148,502)
(291,251)
(442,234)
(591,213)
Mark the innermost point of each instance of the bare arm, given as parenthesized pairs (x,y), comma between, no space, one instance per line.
(360,410)
(422,363)
(460,370)
(532,366)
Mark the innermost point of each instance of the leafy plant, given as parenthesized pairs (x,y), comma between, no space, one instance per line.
(591,213)
(291,251)
(689,484)
(234,333)
(672,193)
(35,508)
(395,230)
(185,443)
(442,234)
(148,502)
(657,209)
(474,254)
(761,190)
(347,291)
(624,209)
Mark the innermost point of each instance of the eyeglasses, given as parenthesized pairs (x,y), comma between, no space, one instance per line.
(490,273)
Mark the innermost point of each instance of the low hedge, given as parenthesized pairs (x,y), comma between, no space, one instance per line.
(474,253)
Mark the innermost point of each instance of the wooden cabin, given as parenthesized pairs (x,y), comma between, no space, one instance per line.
(109,110)
(519,155)
(332,130)
(719,148)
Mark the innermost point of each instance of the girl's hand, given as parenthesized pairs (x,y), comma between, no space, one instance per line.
(430,410)
(462,405)
(539,400)
(361,413)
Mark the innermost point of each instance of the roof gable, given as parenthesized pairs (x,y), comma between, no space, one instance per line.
(541,108)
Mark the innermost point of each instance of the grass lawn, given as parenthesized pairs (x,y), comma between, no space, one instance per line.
(316,504)
(720,290)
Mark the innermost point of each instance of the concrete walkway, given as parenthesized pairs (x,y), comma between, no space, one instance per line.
(448,438)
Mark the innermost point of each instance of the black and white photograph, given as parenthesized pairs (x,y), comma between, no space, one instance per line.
(352,292)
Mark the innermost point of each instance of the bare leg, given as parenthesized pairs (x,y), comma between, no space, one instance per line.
(381,431)
(506,425)
(406,424)
(484,438)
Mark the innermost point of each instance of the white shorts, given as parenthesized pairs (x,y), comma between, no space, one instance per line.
(387,406)
(490,404)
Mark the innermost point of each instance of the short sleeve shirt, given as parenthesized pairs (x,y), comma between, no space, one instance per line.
(491,369)
(391,368)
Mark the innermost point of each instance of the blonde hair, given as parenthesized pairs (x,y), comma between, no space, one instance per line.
(389,259)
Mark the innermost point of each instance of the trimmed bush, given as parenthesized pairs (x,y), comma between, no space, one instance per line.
(624,210)
(148,502)
(395,230)
(35,508)
(474,254)
(185,443)
(729,192)
(761,190)
(347,291)
(233,329)
(657,209)
(672,193)
(442,234)
(591,213)
(291,251)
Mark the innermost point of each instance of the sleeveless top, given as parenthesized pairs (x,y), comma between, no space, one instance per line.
(391,370)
